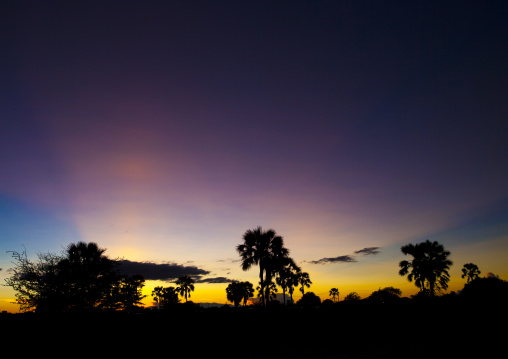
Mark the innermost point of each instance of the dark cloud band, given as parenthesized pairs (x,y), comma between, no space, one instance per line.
(154,271)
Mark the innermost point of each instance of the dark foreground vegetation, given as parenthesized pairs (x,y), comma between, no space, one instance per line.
(79,304)
(451,326)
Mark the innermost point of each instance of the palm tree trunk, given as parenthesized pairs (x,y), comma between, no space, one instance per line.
(268,279)
(261,282)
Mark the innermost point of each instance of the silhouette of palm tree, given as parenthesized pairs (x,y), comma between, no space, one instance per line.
(334,293)
(429,267)
(470,271)
(234,292)
(88,275)
(263,248)
(248,291)
(304,281)
(157,296)
(286,278)
(185,285)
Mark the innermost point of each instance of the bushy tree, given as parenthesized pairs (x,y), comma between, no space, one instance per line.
(385,295)
(37,284)
(489,289)
(309,299)
(81,279)
(353,296)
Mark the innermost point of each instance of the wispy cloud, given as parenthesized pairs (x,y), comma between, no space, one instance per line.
(347,258)
(217,280)
(340,259)
(368,251)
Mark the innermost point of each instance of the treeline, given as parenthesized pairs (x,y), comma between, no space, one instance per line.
(83,279)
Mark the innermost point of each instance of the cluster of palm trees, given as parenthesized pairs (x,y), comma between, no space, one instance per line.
(266,249)
(167,296)
(239,292)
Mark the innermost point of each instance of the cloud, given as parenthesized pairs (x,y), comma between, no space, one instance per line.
(348,258)
(340,259)
(368,251)
(218,280)
(164,271)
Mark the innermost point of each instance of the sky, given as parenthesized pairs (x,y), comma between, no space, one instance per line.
(163,130)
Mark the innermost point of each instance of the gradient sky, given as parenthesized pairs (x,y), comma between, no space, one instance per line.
(163,130)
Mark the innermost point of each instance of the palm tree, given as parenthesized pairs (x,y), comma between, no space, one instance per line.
(157,295)
(470,271)
(165,296)
(185,285)
(334,293)
(88,275)
(429,267)
(286,278)
(235,292)
(304,281)
(247,291)
(268,290)
(263,248)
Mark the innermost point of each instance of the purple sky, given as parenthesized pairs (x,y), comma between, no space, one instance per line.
(162,130)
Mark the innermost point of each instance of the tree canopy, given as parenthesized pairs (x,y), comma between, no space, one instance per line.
(428,268)
(81,279)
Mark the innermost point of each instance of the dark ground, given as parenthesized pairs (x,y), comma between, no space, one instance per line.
(402,330)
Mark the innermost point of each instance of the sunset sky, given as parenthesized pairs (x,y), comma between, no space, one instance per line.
(163,130)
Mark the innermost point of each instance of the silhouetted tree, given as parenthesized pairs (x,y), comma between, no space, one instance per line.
(292,282)
(165,296)
(304,281)
(82,278)
(37,284)
(487,290)
(260,248)
(268,291)
(470,271)
(334,293)
(309,299)
(185,285)
(157,295)
(88,275)
(130,294)
(385,295)
(286,278)
(429,267)
(235,292)
(248,291)
(353,296)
